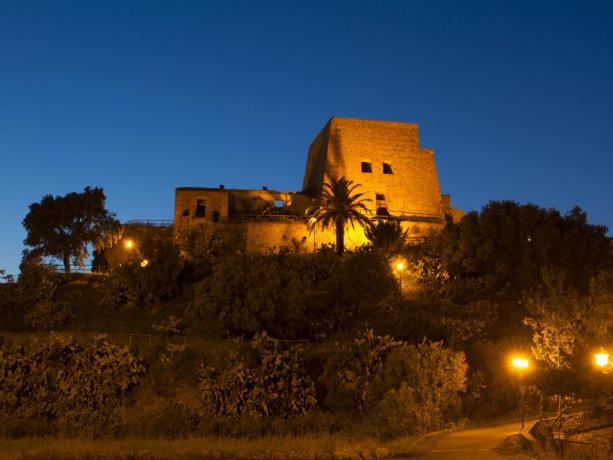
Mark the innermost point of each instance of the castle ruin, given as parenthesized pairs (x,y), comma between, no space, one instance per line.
(385,157)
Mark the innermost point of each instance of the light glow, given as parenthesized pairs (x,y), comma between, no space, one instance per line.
(520,363)
(129,244)
(144,263)
(601,359)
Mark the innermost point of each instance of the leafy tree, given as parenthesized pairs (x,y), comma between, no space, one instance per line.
(567,326)
(387,235)
(36,295)
(294,297)
(281,293)
(151,274)
(504,249)
(63,226)
(338,205)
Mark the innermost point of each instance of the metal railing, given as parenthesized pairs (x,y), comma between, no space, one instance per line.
(410,215)
(151,222)
(73,268)
(241,218)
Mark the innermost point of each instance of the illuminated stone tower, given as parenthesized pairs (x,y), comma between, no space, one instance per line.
(384,157)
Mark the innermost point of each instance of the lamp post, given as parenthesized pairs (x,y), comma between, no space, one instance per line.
(400,266)
(602,361)
(128,244)
(520,364)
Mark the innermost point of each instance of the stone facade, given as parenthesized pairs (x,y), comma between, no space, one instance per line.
(384,157)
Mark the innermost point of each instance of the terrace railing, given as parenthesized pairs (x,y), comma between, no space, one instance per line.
(242,218)
(151,222)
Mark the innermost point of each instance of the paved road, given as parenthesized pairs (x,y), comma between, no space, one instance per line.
(472,444)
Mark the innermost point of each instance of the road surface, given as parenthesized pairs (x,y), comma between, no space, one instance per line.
(473,444)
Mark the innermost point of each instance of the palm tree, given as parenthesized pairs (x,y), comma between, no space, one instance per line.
(339,205)
(387,235)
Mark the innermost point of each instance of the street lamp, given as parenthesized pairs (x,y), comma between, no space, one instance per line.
(400,265)
(129,244)
(602,360)
(520,364)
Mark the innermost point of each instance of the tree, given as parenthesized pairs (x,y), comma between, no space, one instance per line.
(504,249)
(387,235)
(338,205)
(63,226)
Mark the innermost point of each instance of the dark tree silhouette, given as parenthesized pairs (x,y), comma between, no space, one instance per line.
(63,226)
(338,205)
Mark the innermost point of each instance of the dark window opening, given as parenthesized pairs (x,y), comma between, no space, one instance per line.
(382,211)
(380,197)
(387,168)
(200,208)
(185,212)
(366,167)
(215,216)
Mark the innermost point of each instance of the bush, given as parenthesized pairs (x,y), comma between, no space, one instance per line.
(397,414)
(436,376)
(275,386)
(63,386)
(36,294)
(349,377)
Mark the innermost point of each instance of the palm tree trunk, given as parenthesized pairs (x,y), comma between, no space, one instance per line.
(340,237)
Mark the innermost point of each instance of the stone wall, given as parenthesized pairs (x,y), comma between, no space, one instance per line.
(229,203)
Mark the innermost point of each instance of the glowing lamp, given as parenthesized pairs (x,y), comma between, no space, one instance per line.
(144,263)
(400,265)
(129,244)
(601,359)
(520,363)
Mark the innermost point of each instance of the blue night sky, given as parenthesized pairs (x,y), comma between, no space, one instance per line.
(515,98)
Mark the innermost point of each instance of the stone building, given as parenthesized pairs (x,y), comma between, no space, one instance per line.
(384,157)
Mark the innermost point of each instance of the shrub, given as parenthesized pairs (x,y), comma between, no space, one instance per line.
(64,386)
(436,376)
(397,414)
(350,375)
(275,386)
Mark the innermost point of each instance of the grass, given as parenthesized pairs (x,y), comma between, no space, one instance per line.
(324,446)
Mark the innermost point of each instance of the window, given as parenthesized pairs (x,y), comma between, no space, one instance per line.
(381,205)
(387,168)
(200,208)
(215,216)
(366,167)
(185,213)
